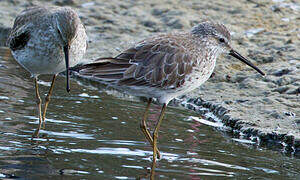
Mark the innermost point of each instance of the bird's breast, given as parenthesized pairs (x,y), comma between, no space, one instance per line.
(44,54)
(201,72)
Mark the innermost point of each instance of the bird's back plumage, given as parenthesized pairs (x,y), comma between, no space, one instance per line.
(162,66)
(155,62)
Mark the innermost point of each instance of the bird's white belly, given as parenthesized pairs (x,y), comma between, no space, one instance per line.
(39,60)
(166,95)
(192,81)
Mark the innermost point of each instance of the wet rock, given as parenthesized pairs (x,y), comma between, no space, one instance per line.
(267,100)
(290,114)
(159,12)
(87,4)
(275,8)
(65,2)
(286,48)
(272,85)
(260,57)
(202,111)
(285,81)
(175,23)
(294,91)
(191,100)
(228,102)
(282,72)
(149,23)
(279,53)
(222,111)
(237,78)
(290,41)
(226,118)
(190,106)
(268,59)
(251,32)
(276,115)
(241,100)
(281,89)
(235,11)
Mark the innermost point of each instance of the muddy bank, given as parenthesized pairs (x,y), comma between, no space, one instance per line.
(267,32)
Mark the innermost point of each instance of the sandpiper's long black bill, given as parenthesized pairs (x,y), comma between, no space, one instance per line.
(66,51)
(244,60)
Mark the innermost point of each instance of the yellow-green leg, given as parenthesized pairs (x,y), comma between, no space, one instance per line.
(39,105)
(47,99)
(155,135)
(144,128)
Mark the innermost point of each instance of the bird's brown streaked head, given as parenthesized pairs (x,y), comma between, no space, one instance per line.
(211,29)
(218,39)
(67,22)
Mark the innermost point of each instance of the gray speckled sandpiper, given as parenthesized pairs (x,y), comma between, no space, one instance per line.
(47,40)
(164,67)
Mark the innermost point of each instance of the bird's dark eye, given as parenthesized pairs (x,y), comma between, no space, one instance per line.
(222,40)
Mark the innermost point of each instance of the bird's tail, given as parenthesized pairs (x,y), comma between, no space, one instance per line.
(102,69)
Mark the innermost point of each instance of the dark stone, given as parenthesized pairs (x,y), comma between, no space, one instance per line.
(268,59)
(279,142)
(225,118)
(281,89)
(276,115)
(290,114)
(240,78)
(191,100)
(285,81)
(108,21)
(211,119)
(228,102)
(198,101)
(158,12)
(282,72)
(289,41)
(190,106)
(221,111)
(279,53)
(235,11)
(148,23)
(65,3)
(242,100)
(202,111)
(174,23)
(296,91)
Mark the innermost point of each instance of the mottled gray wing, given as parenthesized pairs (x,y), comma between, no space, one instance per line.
(20,33)
(155,64)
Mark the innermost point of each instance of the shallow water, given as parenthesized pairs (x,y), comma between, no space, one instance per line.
(90,134)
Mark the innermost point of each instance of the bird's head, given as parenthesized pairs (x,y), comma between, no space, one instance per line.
(67,23)
(217,37)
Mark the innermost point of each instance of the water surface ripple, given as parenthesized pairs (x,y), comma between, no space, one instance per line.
(92,135)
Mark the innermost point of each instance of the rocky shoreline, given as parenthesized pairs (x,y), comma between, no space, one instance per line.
(265,110)
(285,143)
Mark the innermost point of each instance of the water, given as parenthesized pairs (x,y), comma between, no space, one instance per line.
(93,135)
